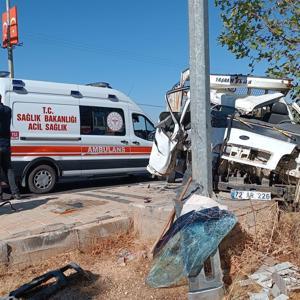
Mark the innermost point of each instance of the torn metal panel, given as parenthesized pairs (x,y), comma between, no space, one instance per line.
(162,153)
(245,104)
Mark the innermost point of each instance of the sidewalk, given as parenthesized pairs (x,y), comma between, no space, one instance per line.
(57,211)
(57,223)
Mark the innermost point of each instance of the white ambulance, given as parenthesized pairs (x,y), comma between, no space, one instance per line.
(73,130)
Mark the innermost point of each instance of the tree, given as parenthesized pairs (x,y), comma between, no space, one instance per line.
(264,30)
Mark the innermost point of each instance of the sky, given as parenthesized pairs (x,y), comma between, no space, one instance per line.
(140,47)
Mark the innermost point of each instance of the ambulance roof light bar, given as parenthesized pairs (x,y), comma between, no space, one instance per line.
(100,84)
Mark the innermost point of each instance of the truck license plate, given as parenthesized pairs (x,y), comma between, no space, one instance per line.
(250,195)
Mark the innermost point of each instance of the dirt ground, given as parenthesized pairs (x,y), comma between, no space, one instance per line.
(111,276)
(242,255)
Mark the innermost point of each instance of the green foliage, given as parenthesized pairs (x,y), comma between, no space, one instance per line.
(264,30)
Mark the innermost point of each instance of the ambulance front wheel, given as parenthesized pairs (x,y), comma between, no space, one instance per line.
(42,179)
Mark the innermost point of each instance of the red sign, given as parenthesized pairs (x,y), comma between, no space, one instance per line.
(14,37)
(14,135)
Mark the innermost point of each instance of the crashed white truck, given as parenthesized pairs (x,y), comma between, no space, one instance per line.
(255,135)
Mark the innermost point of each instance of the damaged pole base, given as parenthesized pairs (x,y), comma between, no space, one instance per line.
(208,286)
(208,294)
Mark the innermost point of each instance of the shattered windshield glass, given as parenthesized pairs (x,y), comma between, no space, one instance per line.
(185,247)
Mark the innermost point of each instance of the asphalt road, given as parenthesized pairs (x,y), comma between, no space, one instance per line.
(86,184)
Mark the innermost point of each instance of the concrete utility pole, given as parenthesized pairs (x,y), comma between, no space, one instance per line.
(9,47)
(199,287)
(200,95)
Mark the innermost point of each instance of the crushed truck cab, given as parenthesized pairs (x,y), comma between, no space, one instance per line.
(255,134)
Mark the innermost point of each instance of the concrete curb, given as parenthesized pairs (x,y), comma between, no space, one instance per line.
(149,220)
(31,249)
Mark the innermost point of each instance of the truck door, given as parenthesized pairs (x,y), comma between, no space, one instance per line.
(105,138)
(142,134)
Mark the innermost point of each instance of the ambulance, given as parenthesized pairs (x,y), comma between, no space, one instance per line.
(63,130)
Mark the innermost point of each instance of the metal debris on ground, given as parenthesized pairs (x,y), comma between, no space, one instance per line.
(125,256)
(277,280)
(38,288)
(147,200)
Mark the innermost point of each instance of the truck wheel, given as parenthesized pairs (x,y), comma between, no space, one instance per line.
(42,179)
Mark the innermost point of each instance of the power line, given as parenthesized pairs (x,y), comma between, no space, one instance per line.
(54,41)
(113,52)
(151,105)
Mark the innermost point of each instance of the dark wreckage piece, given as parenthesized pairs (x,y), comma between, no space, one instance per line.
(38,287)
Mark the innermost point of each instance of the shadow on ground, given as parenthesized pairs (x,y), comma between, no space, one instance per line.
(85,184)
(233,245)
(21,206)
(81,288)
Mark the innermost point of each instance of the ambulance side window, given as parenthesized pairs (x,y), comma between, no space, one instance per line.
(102,121)
(142,127)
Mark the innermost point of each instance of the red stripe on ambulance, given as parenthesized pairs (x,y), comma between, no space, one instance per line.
(46,150)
